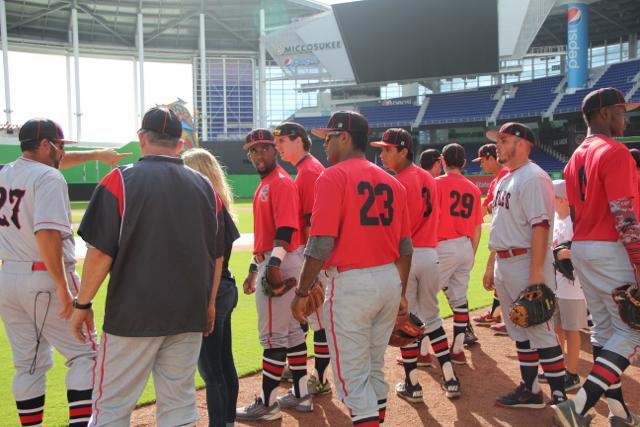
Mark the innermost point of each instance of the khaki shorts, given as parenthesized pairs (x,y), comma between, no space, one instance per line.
(571,314)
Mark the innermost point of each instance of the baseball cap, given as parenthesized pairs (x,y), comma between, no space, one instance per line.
(560,188)
(454,155)
(429,157)
(291,129)
(606,97)
(635,153)
(395,137)
(485,151)
(514,129)
(38,129)
(349,121)
(163,121)
(259,136)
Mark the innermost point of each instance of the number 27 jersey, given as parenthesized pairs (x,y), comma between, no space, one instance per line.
(365,209)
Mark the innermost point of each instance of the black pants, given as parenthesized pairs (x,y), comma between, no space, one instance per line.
(216,360)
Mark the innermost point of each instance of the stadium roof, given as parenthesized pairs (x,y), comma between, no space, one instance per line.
(171,27)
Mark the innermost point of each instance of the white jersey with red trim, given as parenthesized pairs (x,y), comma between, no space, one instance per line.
(33,197)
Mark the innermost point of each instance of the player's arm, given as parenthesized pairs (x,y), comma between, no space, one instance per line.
(316,253)
(403,264)
(539,248)
(108,156)
(475,239)
(488,279)
(50,245)
(626,223)
(215,285)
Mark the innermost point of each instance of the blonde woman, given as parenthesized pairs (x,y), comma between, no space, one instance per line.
(216,360)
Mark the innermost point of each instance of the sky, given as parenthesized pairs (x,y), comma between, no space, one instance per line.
(38,88)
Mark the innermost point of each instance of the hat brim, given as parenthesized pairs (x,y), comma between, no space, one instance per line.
(381,144)
(630,106)
(261,141)
(322,132)
(477,159)
(67,141)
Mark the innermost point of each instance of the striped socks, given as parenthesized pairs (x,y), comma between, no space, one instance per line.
(552,363)
(460,322)
(440,346)
(79,407)
(606,371)
(321,351)
(614,396)
(297,357)
(410,362)
(528,360)
(382,409)
(31,412)
(273,361)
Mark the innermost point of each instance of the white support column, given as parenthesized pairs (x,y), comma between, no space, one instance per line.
(67,61)
(203,81)
(76,61)
(224,94)
(262,86)
(140,43)
(5,61)
(136,109)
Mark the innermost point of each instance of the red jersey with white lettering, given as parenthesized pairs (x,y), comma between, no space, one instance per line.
(365,209)
(422,203)
(275,205)
(459,206)
(309,169)
(492,186)
(600,170)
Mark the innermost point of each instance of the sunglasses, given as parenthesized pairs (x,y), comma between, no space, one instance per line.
(329,134)
(54,145)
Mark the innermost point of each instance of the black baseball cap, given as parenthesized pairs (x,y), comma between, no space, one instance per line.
(454,155)
(429,157)
(259,136)
(395,137)
(513,129)
(38,129)
(485,151)
(606,97)
(291,129)
(635,153)
(163,121)
(349,121)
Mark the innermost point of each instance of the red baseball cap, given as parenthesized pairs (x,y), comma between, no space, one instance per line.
(395,137)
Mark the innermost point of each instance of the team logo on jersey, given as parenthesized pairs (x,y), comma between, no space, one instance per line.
(264,194)
(502,198)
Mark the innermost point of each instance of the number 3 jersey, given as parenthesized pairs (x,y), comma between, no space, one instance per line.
(523,198)
(600,170)
(422,203)
(33,197)
(460,210)
(365,209)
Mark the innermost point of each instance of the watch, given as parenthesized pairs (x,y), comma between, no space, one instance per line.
(79,306)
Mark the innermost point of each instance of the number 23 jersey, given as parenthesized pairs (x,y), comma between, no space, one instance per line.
(365,209)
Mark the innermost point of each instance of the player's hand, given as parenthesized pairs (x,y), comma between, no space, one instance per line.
(79,319)
(490,207)
(403,309)
(249,285)
(211,319)
(274,275)
(488,280)
(66,302)
(111,157)
(298,306)
(564,254)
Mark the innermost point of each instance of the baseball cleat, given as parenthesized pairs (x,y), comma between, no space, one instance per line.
(410,393)
(300,404)
(486,319)
(458,358)
(565,415)
(470,337)
(558,397)
(614,421)
(257,411)
(571,382)
(317,388)
(452,388)
(521,398)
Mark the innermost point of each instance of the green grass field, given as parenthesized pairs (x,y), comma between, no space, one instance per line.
(247,350)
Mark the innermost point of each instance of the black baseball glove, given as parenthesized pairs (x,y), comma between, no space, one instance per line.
(533,306)
(274,285)
(563,266)
(407,330)
(627,298)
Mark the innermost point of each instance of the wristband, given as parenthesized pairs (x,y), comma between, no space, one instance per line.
(277,255)
(633,250)
(253,268)
(79,306)
(301,294)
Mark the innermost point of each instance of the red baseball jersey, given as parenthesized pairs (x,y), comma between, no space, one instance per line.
(492,186)
(365,209)
(309,169)
(600,170)
(459,206)
(275,205)
(422,203)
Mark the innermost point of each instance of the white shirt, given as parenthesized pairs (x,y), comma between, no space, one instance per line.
(562,233)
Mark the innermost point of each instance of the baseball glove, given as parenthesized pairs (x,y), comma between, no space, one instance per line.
(316,298)
(563,266)
(274,285)
(627,298)
(407,330)
(533,306)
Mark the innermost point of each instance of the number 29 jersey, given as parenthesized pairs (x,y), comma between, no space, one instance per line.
(365,209)
(460,210)
(33,197)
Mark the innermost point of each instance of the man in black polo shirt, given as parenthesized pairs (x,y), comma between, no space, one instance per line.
(153,226)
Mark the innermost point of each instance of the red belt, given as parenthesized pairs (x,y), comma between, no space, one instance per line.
(512,252)
(38,266)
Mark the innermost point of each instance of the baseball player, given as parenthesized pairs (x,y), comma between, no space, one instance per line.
(431,161)
(423,284)
(602,188)
(293,145)
(38,279)
(360,232)
(154,317)
(521,237)
(459,229)
(635,153)
(276,216)
(488,159)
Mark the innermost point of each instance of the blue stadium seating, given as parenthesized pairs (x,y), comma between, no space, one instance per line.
(312,122)
(390,115)
(458,107)
(531,99)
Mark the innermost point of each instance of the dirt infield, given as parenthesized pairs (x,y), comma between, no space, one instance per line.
(492,370)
